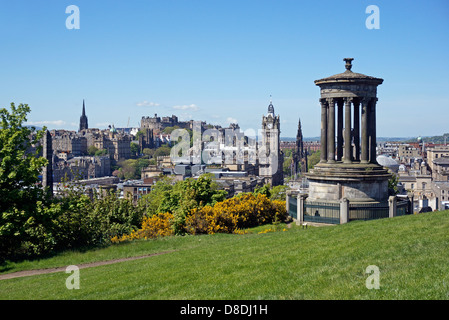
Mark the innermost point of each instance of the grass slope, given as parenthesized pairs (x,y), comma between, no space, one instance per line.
(315,263)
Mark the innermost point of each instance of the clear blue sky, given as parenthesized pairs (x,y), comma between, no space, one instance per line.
(218,61)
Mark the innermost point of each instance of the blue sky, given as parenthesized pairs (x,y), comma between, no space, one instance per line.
(219,61)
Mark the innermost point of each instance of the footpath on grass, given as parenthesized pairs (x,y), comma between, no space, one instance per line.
(28,273)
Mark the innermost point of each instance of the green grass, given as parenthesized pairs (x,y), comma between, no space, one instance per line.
(315,263)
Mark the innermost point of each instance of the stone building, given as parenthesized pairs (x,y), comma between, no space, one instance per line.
(69,142)
(440,169)
(436,153)
(407,152)
(117,144)
(271,158)
(158,124)
(85,167)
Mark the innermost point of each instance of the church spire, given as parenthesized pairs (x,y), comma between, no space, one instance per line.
(83,119)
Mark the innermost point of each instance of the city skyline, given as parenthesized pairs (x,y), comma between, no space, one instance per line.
(220,62)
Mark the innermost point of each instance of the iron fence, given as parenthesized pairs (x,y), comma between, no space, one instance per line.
(402,208)
(322,212)
(293,207)
(368,211)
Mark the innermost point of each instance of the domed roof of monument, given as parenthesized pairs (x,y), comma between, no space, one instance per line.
(386,161)
(348,75)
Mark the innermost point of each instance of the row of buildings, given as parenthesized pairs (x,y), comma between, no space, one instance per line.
(239,163)
(422,169)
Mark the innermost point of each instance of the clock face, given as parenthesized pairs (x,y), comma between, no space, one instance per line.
(270,125)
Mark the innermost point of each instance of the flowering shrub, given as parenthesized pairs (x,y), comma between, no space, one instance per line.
(229,216)
(158,225)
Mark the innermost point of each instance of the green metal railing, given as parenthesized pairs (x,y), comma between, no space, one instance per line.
(322,212)
(293,207)
(368,211)
(402,208)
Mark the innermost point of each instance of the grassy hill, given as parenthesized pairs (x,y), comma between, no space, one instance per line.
(315,263)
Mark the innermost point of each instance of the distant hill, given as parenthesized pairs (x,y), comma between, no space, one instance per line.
(379,139)
(305,139)
(37,128)
(435,139)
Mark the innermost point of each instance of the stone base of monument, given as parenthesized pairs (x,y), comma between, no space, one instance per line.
(356,182)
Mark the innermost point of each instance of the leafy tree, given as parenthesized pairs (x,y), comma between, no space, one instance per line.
(181,197)
(100,153)
(278,192)
(20,189)
(265,190)
(131,168)
(148,152)
(134,148)
(393,185)
(162,151)
(91,150)
(313,159)
(169,130)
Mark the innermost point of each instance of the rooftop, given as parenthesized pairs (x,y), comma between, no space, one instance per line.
(348,75)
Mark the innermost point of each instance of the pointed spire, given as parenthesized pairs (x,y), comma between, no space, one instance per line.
(83,119)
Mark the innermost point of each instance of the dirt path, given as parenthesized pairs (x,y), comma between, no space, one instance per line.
(27,273)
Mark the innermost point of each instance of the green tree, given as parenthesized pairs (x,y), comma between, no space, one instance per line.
(100,153)
(393,184)
(181,197)
(134,148)
(148,152)
(162,151)
(91,150)
(20,189)
(313,159)
(265,190)
(278,192)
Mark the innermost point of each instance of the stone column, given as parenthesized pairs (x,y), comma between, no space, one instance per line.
(323,131)
(373,143)
(47,153)
(392,204)
(364,155)
(348,158)
(344,211)
(331,131)
(300,208)
(357,130)
(340,130)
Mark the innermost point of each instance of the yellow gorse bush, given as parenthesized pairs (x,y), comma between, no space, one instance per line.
(158,225)
(228,216)
(232,215)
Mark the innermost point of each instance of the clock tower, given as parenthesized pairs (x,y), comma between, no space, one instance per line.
(270,156)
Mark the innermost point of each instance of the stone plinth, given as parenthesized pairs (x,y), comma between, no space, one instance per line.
(355,182)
